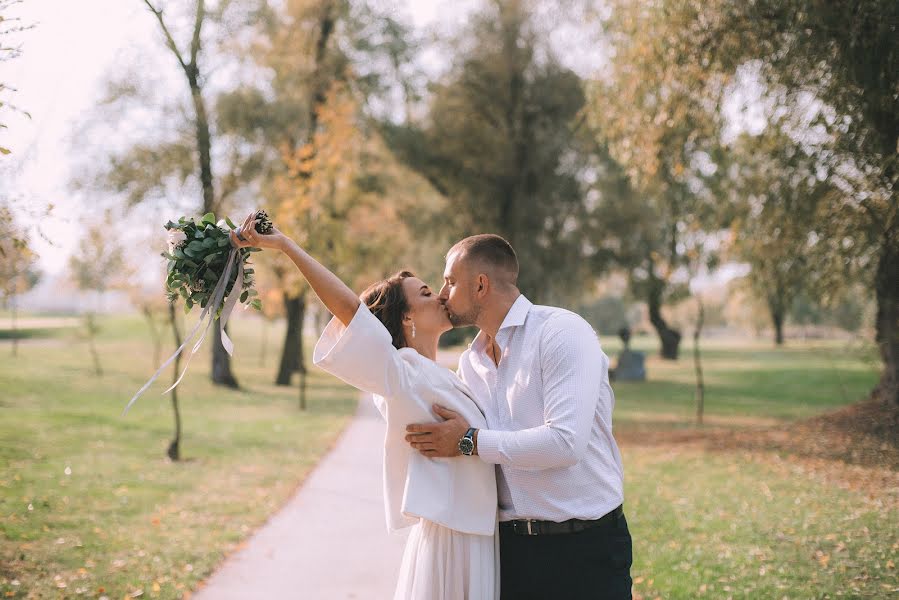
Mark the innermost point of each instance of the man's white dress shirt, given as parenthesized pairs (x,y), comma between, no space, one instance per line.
(457,493)
(549,415)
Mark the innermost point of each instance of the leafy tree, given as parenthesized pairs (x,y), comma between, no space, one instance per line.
(9,26)
(778,196)
(343,196)
(323,58)
(18,266)
(663,135)
(98,265)
(834,68)
(301,50)
(500,142)
(185,149)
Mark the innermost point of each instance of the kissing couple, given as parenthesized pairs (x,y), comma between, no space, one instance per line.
(506,470)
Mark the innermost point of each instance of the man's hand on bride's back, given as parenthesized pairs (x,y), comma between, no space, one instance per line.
(253,239)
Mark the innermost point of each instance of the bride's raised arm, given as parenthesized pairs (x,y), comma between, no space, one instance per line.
(334,294)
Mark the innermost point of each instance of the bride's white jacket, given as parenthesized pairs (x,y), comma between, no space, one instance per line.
(458,493)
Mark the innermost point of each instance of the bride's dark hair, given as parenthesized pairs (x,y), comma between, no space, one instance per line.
(386,300)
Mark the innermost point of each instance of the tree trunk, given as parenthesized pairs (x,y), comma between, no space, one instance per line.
(886,286)
(221,361)
(301,356)
(777,318)
(204,146)
(303,387)
(221,364)
(669,337)
(154,334)
(174,450)
(91,332)
(292,352)
(697,363)
(264,342)
(778,328)
(15,328)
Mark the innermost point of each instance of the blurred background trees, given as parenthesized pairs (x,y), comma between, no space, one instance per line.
(18,265)
(823,84)
(10,26)
(98,265)
(500,140)
(746,142)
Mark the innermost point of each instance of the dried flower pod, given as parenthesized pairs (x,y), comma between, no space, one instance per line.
(263,223)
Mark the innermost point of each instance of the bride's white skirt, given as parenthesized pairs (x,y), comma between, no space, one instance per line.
(443,564)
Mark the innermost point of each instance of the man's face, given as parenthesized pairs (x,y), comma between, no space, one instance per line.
(459,292)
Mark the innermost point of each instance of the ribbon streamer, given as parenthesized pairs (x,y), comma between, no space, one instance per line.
(218,295)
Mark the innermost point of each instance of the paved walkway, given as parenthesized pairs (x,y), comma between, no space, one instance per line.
(330,541)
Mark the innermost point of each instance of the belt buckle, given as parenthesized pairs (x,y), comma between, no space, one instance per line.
(524,527)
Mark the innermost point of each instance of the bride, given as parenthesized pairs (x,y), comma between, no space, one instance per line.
(385,342)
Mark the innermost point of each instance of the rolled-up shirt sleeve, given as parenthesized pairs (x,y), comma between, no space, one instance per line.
(573,368)
(362,354)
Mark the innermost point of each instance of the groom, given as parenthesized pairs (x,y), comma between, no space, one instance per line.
(541,379)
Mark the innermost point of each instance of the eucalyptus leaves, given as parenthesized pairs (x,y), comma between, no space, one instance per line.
(198,254)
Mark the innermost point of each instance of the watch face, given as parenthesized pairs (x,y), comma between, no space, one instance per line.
(466,446)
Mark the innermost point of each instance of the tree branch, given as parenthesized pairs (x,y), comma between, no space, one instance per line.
(195,41)
(168,36)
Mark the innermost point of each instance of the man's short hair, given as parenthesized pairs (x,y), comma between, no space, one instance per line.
(491,252)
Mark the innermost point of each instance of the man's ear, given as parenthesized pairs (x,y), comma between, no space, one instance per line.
(483,285)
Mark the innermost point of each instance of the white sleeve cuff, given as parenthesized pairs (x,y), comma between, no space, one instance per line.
(488,446)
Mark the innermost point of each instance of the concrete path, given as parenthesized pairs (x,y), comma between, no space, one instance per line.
(330,541)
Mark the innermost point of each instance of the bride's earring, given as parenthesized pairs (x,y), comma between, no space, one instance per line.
(413,329)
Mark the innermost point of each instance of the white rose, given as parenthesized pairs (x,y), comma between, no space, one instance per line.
(176,237)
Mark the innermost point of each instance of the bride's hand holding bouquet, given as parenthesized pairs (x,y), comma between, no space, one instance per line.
(246,236)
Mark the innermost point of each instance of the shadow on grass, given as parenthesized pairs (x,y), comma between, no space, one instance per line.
(865,434)
(34,334)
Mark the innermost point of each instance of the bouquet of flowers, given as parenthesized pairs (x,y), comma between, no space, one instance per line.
(205,269)
(199,251)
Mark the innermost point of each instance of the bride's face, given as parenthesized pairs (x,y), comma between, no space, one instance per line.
(425,308)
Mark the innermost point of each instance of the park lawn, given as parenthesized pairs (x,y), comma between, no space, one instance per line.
(747,382)
(753,525)
(740,524)
(90,505)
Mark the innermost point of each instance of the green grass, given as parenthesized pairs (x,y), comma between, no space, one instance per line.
(89,503)
(706,523)
(729,524)
(749,381)
(753,526)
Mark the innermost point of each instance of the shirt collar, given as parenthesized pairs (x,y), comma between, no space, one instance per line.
(518,312)
(516,317)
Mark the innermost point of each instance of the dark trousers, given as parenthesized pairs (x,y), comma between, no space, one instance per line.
(595,564)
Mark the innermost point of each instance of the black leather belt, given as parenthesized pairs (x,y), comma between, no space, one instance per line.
(535,527)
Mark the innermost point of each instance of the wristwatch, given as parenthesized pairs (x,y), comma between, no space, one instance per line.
(466,444)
